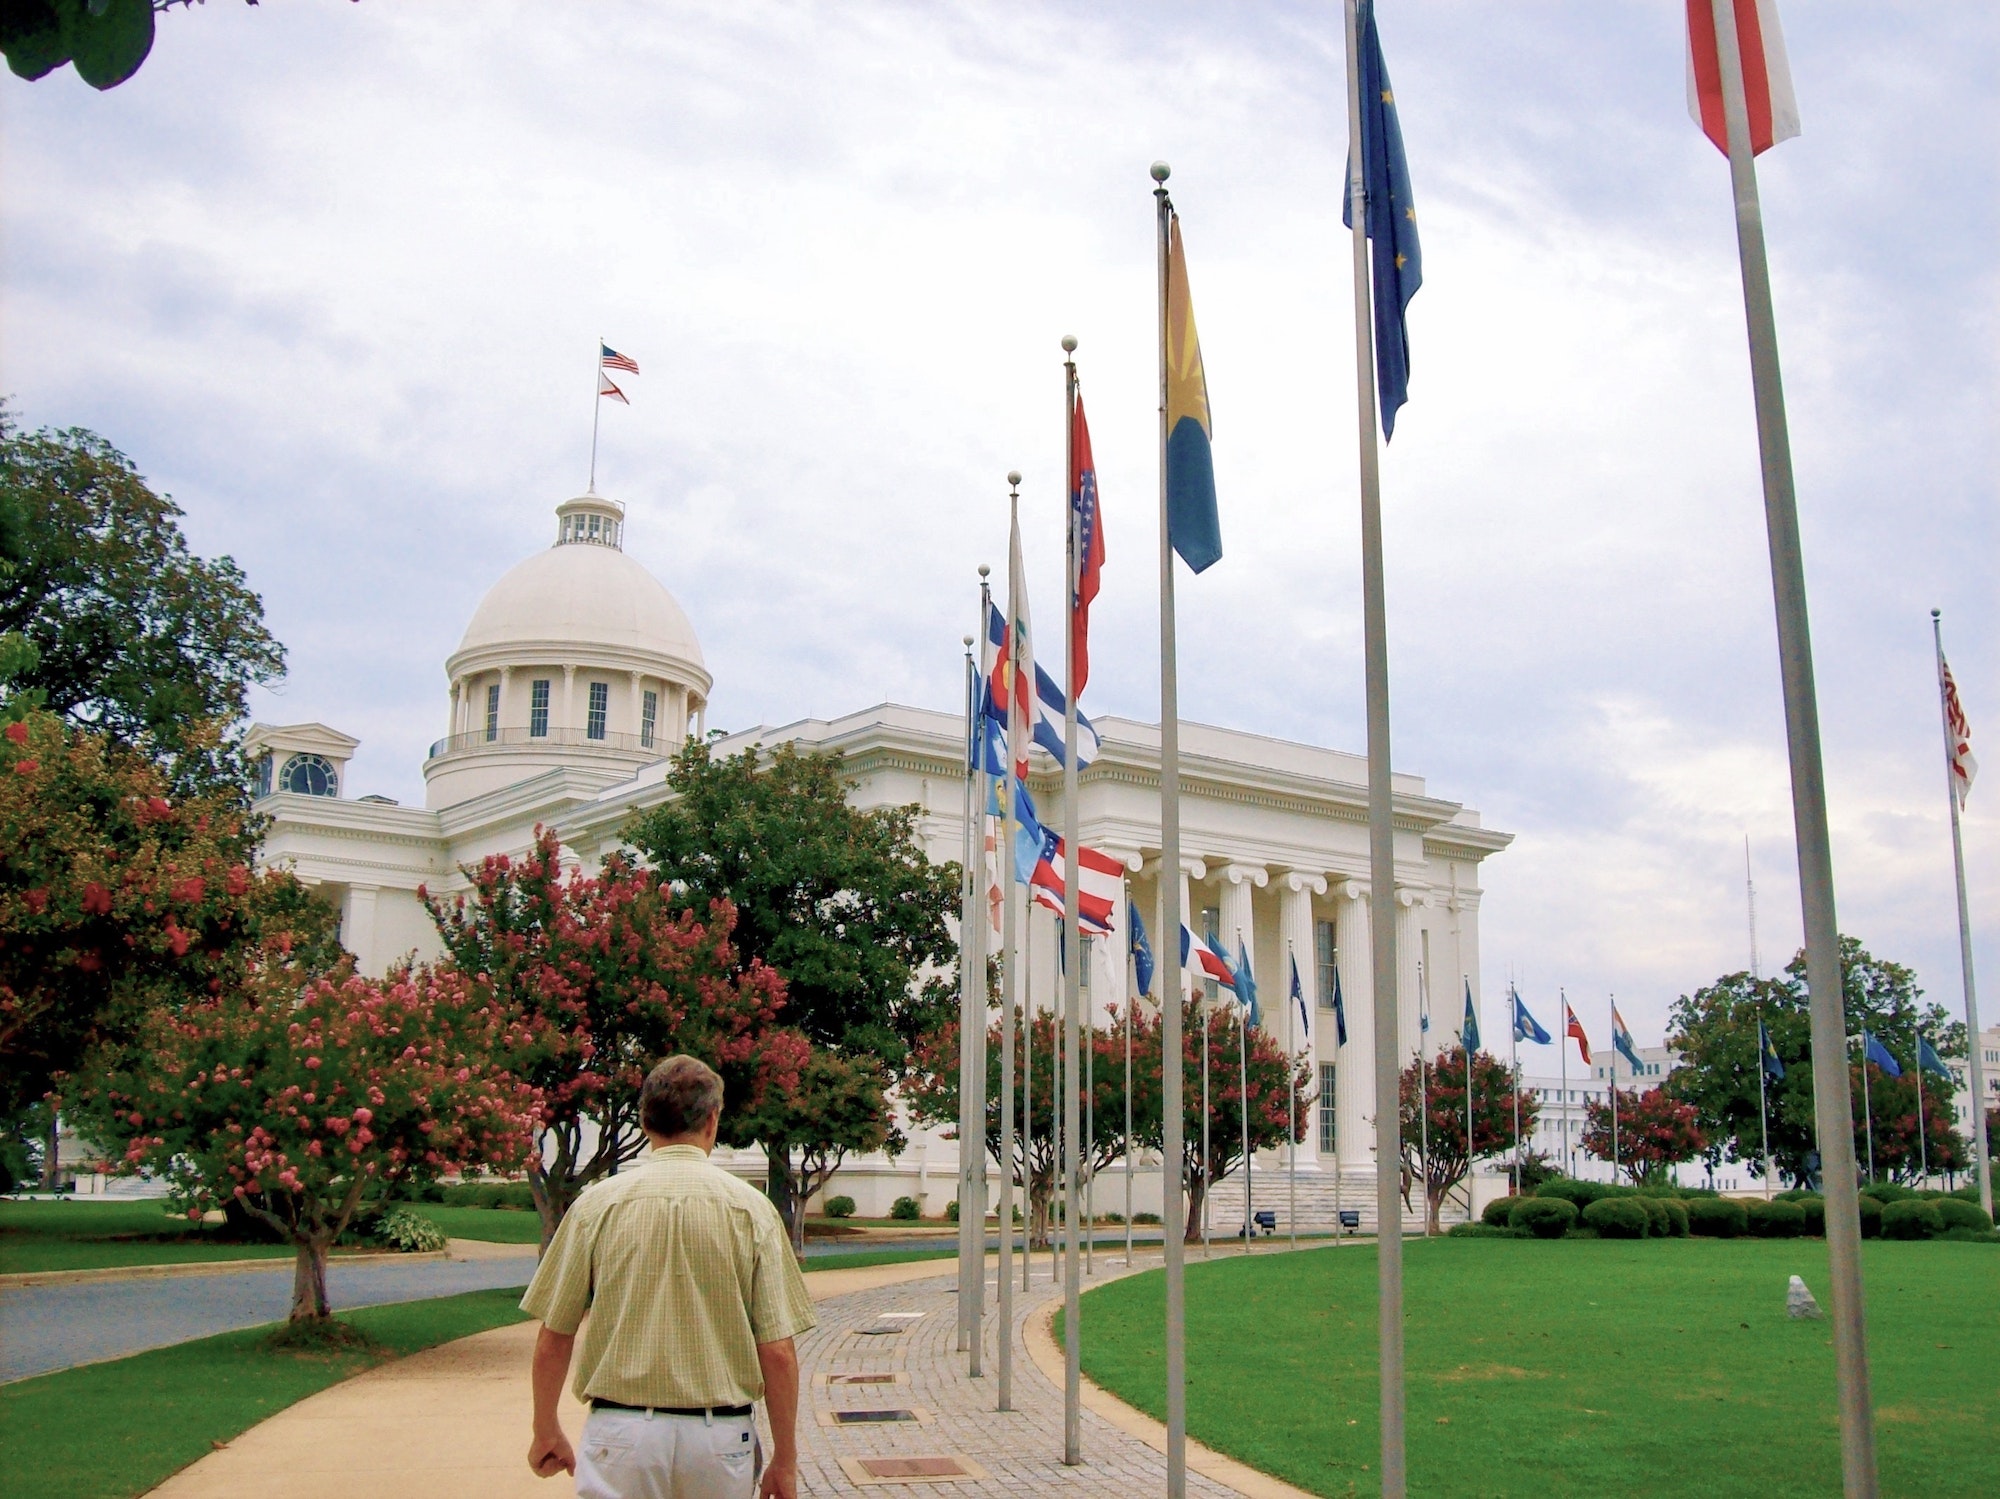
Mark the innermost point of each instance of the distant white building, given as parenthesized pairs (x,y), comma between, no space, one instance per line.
(1961,1073)
(580,674)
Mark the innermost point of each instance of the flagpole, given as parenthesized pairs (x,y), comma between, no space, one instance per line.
(1763,1107)
(1027,1075)
(1243,1082)
(1466,1046)
(1089,1156)
(1563,1047)
(1009,992)
(1423,1087)
(1614,1089)
(969,915)
(1822,933)
(1072,941)
(1974,1057)
(1207,1186)
(1867,1108)
(1381,827)
(1514,1066)
(1292,1113)
(597,410)
(1923,1150)
(1171,1149)
(1131,983)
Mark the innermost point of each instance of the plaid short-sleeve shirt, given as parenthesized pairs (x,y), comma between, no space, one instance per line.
(684,1270)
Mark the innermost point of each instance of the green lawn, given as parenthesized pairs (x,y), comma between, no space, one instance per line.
(96,1236)
(112,1430)
(1574,1367)
(860,1259)
(495,1225)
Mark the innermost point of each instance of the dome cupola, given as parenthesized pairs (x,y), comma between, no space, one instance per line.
(577,658)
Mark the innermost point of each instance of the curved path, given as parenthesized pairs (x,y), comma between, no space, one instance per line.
(452,1423)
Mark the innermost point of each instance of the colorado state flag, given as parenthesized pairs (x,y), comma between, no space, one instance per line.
(1192,525)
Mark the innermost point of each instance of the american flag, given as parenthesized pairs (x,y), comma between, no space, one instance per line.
(611,359)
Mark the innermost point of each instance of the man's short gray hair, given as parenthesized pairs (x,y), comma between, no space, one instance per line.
(678,1097)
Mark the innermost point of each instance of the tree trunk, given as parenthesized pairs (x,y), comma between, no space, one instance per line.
(553,1196)
(1434,1196)
(309,1281)
(51,1150)
(778,1187)
(1197,1192)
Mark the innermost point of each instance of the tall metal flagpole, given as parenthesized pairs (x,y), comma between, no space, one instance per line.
(1867,1107)
(1172,1219)
(1763,1108)
(1292,1109)
(1831,1096)
(596,410)
(1243,1099)
(1027,1087)
(1514,1067)
(1923,1150)
(1131,983)
(1466,1047)
(969,918)
(1072,944)
(1381,828)
(1423,1087)
(1975,1058)
(1207,1186)
(975,1206)
(1614,1087)
(1562,1043)
(1009,990)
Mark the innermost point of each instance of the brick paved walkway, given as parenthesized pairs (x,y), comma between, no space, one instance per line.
(1020,1451)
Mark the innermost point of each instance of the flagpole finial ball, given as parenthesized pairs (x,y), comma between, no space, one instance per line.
(1935,613)
(984,570)
(1161,171)
(1069,343)
(1014,478)
(968,642)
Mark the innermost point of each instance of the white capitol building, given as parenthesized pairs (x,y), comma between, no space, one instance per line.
(580,674)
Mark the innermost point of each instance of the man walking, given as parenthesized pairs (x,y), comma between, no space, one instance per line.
(694,1299)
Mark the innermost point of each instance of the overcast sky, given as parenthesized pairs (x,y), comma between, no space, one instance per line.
(332,275)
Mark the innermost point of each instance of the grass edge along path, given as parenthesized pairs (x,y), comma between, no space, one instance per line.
(1577,1368)
(117,1429)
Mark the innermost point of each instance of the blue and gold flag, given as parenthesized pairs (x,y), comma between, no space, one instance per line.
(1192,524)
(1398,261)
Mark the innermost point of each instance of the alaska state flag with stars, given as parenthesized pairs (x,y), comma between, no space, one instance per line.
(1397,260)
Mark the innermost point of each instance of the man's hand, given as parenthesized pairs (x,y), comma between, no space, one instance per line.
(781,1480)
(552,1454)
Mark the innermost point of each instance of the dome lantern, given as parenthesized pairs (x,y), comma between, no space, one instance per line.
(590,520)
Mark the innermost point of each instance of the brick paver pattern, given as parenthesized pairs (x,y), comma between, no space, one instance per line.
(1020,1450)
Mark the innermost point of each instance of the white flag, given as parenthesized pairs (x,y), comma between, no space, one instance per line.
(1767,74)
(1959,733)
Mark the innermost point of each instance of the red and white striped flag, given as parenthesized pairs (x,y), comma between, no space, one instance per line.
(1767,75)
(609,358)
(1963,766)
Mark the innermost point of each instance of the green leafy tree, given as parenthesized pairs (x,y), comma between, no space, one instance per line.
(839,1108)
(1715,1031)
(840,900)
(133,636)
(1890,1106)
(105,40)
(1435,1149)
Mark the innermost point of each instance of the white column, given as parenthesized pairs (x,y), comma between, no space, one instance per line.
(1354,1086)
(357,927)
(569,702)
(1295,932)
(1239,922)
(1191,870)
(635,706)
(506,707)
(1409,1019)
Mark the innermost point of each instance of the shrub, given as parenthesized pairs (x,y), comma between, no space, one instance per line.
(905,1210)
(1871,1217)
(1494,1214)
(511,1195)
(1617,1218)
(1544,1217)
(1813,1208)
(1655,1209)
(1782,1220)
(1716,1217)
(951,1210)
(1578,1194)
(1972,1236)
(842,1207)
(410,1232)
(1136,1217)
(1482,1231)
(1959,1214)
(1677,1217)
(1794,1194)
(1886,1192)
(1911,1218)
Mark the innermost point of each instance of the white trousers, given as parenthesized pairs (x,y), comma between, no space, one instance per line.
(649,1455)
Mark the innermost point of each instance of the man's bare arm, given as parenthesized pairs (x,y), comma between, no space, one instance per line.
(550,1453)
(780,1363)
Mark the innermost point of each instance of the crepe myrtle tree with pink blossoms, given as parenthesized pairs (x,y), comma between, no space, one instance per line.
(303,1103)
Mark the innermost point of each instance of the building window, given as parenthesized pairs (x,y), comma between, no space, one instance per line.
(1083,971)
(649,715)
(538,708)
(1326,1107)
(1327,953)
(600,705)
(309,775)
(492,710)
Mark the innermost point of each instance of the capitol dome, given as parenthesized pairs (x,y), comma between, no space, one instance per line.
(577,658)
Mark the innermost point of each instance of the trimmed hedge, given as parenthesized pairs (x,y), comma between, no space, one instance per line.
(1886,1192)
(1677,1217)
(840,1207)
(1495,1213)
(1871,1217)
(1578,1194)
(1544,1217)
(490,1195)
(1782,1220)
(1482,1231)
(1655,1209)
(905,1210)
(1813,1206)
(1957,1213)
(1618,1218)
(1911,1218)
(1716,1218)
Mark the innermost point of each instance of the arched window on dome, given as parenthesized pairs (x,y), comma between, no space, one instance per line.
(309,775)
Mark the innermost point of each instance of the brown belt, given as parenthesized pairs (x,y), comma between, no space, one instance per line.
(728,1412)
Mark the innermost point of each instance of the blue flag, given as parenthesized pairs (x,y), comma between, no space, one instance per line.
(1392,222)
(1299,999)
(1142,952)
(1468,1031)
(1246,984)
(1526,1027)
(1339,1011)
(1767,1054)
(1874,1051)
(1930,1061)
